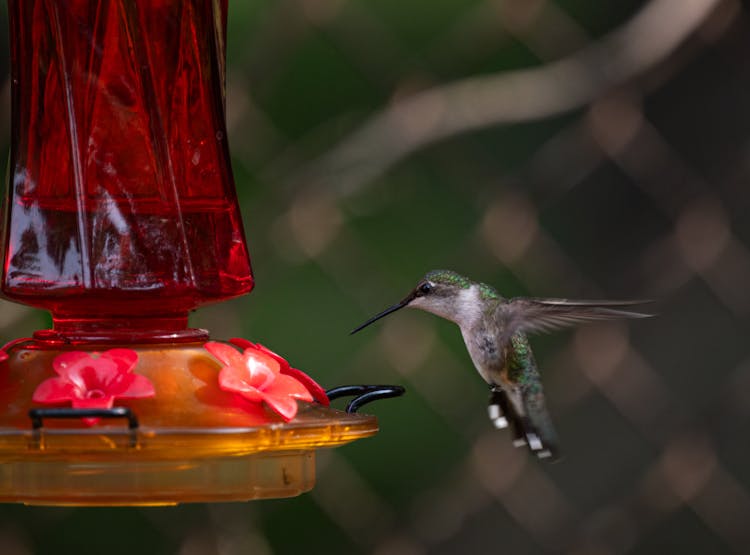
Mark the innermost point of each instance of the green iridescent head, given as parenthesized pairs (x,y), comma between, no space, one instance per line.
(453,280)
(448,277)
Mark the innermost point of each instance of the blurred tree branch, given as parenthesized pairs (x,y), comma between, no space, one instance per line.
(509,97)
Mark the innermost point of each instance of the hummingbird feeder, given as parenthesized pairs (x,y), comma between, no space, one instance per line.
(120,218)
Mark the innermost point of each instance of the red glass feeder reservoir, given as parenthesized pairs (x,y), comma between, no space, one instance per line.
(120,218)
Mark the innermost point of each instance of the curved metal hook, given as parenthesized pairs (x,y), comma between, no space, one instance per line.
(364,394)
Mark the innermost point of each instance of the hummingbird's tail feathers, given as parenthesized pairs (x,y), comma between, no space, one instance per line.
(543,446)
(529,315)
(497,417)
(498,409)
(542,442)
(544,449)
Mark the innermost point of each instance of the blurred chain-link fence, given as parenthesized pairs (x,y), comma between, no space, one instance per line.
(565,148)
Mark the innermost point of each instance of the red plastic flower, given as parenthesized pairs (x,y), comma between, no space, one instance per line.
(312,386)
(90,382)
(256,376)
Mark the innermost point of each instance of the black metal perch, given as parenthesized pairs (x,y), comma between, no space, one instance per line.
(364,394)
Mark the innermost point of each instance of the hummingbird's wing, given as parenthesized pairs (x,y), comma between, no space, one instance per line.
(528,315)
(521,399)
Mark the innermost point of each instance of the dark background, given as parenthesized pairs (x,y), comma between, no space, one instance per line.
(590,149)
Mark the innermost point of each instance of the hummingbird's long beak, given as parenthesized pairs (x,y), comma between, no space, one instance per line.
(387,311)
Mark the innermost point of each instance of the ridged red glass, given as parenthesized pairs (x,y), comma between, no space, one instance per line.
(121,214)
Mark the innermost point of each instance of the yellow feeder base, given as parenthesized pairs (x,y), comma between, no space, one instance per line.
(194,442)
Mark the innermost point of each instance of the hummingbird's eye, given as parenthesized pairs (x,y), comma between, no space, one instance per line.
(425,288)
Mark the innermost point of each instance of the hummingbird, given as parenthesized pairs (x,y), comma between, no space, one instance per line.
(495,332)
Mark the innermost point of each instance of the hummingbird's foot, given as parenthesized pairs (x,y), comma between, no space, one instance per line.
(534,442)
